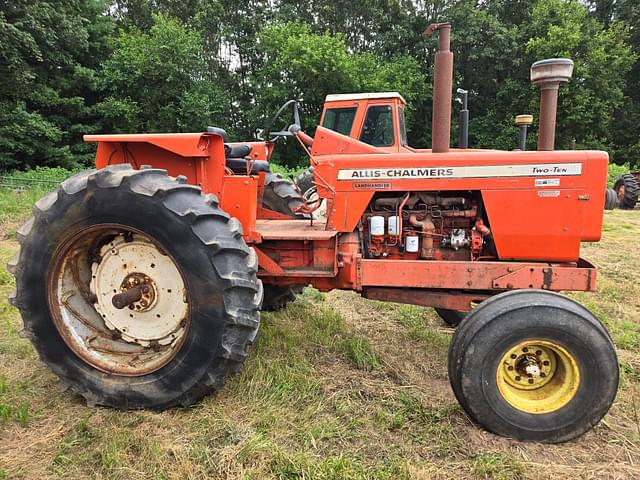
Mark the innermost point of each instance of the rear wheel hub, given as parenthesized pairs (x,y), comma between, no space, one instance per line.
(137,291)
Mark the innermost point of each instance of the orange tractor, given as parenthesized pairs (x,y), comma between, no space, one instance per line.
(141,283)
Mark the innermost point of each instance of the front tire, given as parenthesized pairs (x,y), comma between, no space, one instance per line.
(100,235)
(534,366)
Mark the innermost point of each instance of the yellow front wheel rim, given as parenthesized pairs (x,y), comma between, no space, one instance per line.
(538,376)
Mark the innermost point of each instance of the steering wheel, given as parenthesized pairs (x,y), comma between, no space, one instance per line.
(285,130)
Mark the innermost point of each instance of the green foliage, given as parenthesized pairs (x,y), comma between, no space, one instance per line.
(69,68)
(49,52)
(22,415)
(614,172)
(626,140)
(494,61)
(334,467)
(22,188)
(288,172)
(5,413)
(412,318)
(360,352)
(498,466)
(52,175)
(158,81)
(305,65)
(19,414)
(301,64)
(602,58)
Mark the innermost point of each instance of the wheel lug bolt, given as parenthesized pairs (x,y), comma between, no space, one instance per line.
(538,352)
(545,363)
(518,378)
(542,374)
(513,355)
(531,380)
(509,367)
(525,349)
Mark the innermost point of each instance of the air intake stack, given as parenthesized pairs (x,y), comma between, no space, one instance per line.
(548,75)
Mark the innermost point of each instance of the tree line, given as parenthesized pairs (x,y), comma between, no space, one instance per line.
(70,67)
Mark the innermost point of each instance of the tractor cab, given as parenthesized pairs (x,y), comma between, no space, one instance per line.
(376,119)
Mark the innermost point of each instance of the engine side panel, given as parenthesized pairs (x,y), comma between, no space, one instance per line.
(538,205)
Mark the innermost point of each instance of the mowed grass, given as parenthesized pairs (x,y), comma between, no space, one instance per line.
(337,387)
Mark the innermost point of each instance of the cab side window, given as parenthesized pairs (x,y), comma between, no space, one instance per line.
(339,120)
(378,127)
(402,125)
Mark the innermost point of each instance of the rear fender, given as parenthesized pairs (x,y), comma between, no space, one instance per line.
(198,156)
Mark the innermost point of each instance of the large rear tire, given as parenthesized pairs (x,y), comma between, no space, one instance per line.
(627,190)
(533,365)
(137,291)
(280,195)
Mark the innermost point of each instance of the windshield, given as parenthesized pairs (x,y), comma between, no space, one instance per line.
(378,127)
(339,120)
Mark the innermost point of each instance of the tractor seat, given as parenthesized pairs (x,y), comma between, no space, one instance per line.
(236,151)
(236,156)
(239,166)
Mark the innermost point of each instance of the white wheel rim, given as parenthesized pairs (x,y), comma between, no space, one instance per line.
(161,321)
(128,341)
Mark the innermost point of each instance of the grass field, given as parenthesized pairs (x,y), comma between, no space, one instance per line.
(337,387)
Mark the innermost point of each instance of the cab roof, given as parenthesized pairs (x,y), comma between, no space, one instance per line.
(363,96)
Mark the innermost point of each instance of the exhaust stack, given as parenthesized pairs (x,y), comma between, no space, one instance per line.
(548,75)
(442,85)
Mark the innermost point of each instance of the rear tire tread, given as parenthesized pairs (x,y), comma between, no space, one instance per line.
(281,195)
(231,258)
